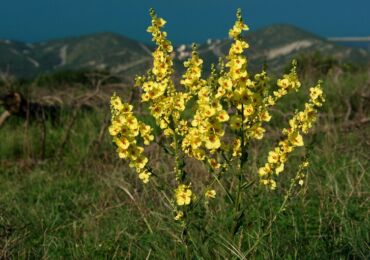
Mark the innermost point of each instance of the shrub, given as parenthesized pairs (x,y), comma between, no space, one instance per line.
(230,109)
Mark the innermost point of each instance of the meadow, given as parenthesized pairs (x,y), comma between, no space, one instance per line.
(71,197)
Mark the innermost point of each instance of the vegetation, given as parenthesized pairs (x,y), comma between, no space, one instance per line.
(229,115)
(81,202)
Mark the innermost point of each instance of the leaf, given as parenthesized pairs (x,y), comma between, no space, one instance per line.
(246,185)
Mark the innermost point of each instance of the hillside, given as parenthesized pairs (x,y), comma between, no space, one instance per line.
(274,45)
(104,51)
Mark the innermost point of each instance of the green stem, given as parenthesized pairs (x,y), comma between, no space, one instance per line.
(180,177)
(237,214)
(224,189)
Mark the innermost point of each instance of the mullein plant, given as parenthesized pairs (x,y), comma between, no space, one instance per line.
(231,109)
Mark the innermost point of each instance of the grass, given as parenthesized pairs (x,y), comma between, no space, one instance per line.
(82,202)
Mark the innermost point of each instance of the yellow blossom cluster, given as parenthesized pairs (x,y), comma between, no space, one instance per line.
(206,128)
(238,27)
(288,83)
(230,108)
(301,174)
(166,104)
(301,122)
(162,65)
(244,94)
(192,77)
(237,76)
(126,130)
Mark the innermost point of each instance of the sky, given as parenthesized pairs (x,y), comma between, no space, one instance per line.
(188,21)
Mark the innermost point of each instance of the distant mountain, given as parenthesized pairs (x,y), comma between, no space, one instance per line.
(275,46)
(105,51)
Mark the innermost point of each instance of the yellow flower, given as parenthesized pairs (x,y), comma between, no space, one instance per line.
(236,147)
(279,169)
(214,163)
(270,101)
(283,83)
(144,176)
(248,110)
(239,62)
(222,116)
(140,162)
(264,171)
(160,22)
(195,141)
(213,142)
(265,116)
(242,95)
(183,195)
(126,108)
(235,122)
(168,132)
(270,183)
(315,92)
(285,147)
(317,96)
(273,157)
(280,93)
(296,139)
(179,215)
(238,47)
(132,123)
(237,74)
(116,102)
(220,92)
(257,132)
(198,154)
(114,129)
(208,110)
(122,153)
(211,194)
(122,142)
(225,83)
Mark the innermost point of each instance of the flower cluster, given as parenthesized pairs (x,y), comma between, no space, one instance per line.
(227,111)
(206,128)
(126,129)
(238,27)
(237,76)
(245,95)
(158,88)
(301,122)
(192,77)
(162,65)
(288,83)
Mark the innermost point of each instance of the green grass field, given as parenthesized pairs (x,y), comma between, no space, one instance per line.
(82,202)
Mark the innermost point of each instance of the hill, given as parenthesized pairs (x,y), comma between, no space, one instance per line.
(103,51)
(274,45)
